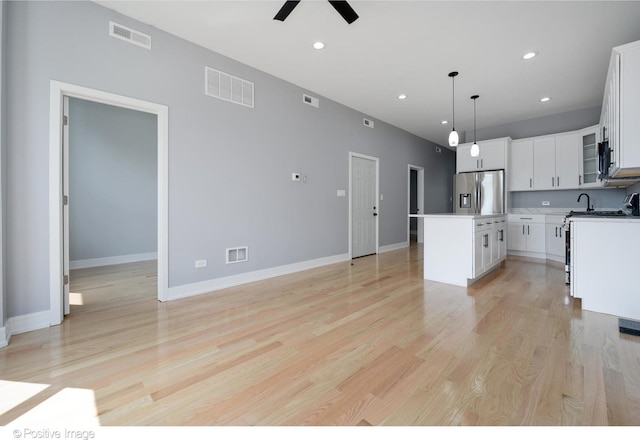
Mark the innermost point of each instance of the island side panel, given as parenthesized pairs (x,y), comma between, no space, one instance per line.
(605,266)
(448,249)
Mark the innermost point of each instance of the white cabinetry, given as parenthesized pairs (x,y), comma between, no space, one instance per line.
(521,165)
(526,233)
(493,156)
(489,244)
(459,249)
(556,161)
(588,139)
(568,160)
(621,110)
(555,245)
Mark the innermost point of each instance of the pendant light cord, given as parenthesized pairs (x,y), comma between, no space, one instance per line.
(453,102)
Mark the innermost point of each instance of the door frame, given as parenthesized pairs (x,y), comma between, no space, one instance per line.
(58,90)
(420,197)
(377,195)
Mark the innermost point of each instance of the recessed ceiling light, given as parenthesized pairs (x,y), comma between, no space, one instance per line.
(402,96)
(529,55)
(545,99)
(318,45)
(444,122)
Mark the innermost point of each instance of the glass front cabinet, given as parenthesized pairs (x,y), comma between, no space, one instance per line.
(589,163)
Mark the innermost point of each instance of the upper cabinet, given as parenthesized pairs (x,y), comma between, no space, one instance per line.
(621,110)
(521,165)
(493,156)
(588,138)
(545,162)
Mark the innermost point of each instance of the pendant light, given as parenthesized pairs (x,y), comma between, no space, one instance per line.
(453,136)
(475,148)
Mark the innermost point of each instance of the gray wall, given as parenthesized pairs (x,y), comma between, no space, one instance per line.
(229,165)
(559,123)
(3,298)
(113,165)
(601,198)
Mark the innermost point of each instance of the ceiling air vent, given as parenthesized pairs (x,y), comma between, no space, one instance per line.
(131,35)
(367,123)
(223,86)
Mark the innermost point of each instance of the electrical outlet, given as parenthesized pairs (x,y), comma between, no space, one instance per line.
(201,263)
(545,203)
(341,193)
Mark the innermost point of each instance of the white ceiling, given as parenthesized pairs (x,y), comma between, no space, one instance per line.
(410,47)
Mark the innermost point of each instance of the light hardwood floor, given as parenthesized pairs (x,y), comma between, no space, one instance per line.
(367,342)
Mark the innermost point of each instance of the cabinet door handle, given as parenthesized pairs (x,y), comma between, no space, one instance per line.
(522,229)
(558,181)
(580,179)
(556,231)
(530,182)
(501,234)
(553,182)
(486,240)
(560,228)
(528,230)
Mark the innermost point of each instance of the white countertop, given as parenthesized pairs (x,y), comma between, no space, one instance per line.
(627,219)
(452,215)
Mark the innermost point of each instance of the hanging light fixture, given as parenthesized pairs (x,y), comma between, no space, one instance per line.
(453,136)
(475,148)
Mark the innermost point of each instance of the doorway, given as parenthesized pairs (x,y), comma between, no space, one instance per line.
(58,240)
(415,203)
(363,204)
(110,178)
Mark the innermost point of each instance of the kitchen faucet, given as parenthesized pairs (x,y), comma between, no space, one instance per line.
(589,207)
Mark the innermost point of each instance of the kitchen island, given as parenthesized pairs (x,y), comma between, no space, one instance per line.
(604,264)
(459,248)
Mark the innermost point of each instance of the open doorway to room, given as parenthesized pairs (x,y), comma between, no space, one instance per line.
(415,203)
(59,200)
(112,202)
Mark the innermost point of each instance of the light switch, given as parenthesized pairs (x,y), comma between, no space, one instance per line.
(341,193)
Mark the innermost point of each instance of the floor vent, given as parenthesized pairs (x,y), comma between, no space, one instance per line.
(367,123)
(310,100)
(130,35)
(227,87)
(237,255)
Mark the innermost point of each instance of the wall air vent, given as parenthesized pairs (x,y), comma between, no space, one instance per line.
(367,123)
(223,86)
(130,35)
(237,255)
(310,100)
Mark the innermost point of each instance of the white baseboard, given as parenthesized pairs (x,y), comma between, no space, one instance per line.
(393,247)
(109,261)
(250,277)
(23,324)
(4,339)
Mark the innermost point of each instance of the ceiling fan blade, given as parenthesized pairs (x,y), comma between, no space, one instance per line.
(286,9)
(345,10)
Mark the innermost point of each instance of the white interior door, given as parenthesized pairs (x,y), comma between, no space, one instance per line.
(65,206)
(364,206)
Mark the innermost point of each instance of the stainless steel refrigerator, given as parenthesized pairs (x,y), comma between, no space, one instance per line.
(480,192)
